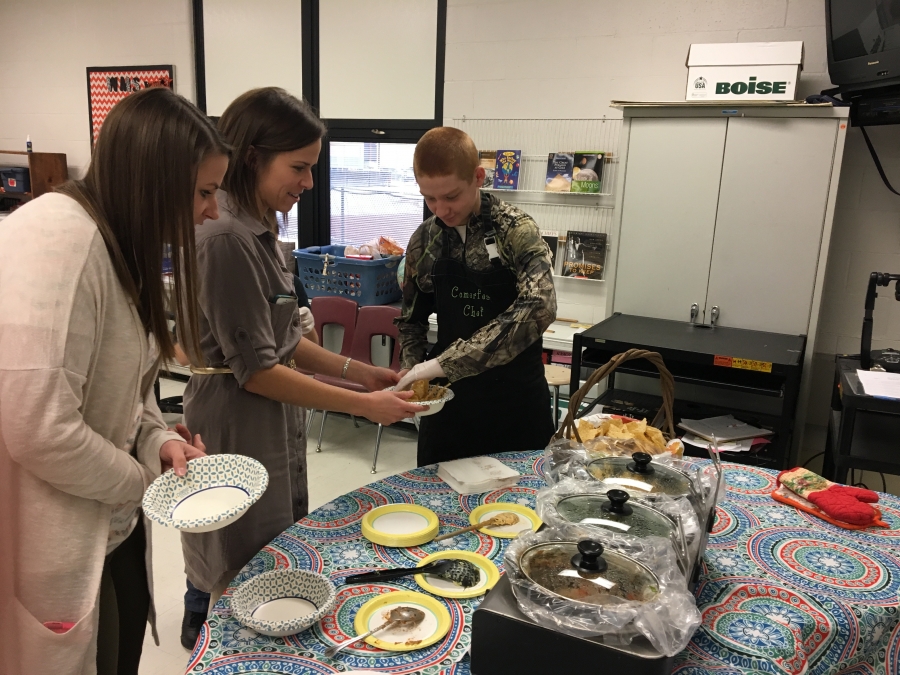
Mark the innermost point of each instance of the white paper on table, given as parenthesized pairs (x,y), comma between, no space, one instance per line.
(733,446)
(881,385)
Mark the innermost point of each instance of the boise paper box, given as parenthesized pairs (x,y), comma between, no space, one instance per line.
(744,71)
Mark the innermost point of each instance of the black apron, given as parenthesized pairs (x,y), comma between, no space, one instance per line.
(506,408)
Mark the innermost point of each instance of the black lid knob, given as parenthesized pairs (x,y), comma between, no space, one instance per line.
(641,463)
(589,557)
(617,503)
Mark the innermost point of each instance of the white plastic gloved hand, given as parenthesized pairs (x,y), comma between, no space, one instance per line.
(307,320)
(427,370)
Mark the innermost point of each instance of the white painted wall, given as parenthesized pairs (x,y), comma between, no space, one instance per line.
(47,44)
(542,59)
(249,45)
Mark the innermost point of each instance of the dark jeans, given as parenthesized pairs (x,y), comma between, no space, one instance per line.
(124,607)
(196,600)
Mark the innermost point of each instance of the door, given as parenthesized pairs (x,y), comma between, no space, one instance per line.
(775,181)
(668,216)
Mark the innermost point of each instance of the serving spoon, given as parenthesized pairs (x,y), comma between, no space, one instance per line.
(405,617)
(499,520)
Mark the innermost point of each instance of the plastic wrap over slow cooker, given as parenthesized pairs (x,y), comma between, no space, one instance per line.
(566,458)
(667,620)
(679,511)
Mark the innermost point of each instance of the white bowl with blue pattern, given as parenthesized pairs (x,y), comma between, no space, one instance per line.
(216,491)
(283,602)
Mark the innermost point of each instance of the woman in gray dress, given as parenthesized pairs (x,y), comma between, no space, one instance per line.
(248,398)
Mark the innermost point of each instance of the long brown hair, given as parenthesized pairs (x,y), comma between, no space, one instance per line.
(139,189)
(259,124)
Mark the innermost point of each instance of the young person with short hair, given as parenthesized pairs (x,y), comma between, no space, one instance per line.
(482,266)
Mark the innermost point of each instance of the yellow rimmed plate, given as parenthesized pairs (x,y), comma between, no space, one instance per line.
(372,614)
(528,519)
(400,525)
(490,575)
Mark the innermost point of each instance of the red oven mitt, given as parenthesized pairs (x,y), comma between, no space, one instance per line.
(842,502)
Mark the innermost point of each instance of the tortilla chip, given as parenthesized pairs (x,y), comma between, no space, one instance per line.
(420,389)
(647,445)
(587,431)
(637,428)
(656,437)
(619,432)
(616,422)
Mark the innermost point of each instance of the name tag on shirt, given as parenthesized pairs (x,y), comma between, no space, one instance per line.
(490,243)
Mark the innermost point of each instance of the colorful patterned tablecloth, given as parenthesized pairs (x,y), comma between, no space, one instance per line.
(782,591)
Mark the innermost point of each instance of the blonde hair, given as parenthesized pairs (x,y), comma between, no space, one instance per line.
(446,151)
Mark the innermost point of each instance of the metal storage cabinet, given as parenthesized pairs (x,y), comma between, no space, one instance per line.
(668,216)
(728,209)
(775,180)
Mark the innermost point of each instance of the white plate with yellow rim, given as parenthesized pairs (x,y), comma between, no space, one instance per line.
(400,525)
(490,575)
(373,613)
(528,519)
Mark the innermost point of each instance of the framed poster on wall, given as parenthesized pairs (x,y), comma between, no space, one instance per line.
(108,86)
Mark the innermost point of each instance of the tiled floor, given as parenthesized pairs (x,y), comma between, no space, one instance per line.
(343,465)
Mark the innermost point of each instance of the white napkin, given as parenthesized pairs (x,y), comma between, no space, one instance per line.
(475,475)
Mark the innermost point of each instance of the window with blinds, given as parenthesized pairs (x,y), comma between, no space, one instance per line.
(373,192)
(288,229)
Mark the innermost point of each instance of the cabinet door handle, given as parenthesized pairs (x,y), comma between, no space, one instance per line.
(695,309)
(714,315)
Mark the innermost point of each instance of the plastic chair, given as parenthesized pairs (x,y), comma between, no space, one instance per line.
(371,321)
(333,310)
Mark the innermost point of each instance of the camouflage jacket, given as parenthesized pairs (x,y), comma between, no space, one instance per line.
(521,250)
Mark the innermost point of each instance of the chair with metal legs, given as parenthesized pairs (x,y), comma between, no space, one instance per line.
(372,321)
(332,310)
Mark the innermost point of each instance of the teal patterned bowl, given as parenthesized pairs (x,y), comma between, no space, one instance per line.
(283,602)
(216,491)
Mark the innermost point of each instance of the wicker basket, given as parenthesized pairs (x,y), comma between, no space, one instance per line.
(664,416)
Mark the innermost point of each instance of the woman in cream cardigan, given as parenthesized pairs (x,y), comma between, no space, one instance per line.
(82,330)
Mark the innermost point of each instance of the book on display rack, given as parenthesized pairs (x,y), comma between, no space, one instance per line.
(559,172)
(488,161)
(587,172)
(585,255)
(551,237)
(506,176)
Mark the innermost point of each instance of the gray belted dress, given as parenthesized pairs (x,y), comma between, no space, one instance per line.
(245,327)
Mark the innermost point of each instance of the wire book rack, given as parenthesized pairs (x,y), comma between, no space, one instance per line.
(537,139)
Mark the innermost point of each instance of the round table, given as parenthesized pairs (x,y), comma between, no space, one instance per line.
(781,591)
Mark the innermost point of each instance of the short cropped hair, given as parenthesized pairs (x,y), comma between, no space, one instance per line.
(446,151)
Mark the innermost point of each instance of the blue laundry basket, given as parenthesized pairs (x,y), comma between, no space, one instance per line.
(368,282)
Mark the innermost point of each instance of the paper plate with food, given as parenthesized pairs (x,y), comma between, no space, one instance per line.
(431,397)
(614,436)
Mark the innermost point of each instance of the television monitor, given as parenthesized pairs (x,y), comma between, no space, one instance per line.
(863,39)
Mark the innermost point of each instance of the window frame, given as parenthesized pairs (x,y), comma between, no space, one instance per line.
(314,210)
(318,214)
